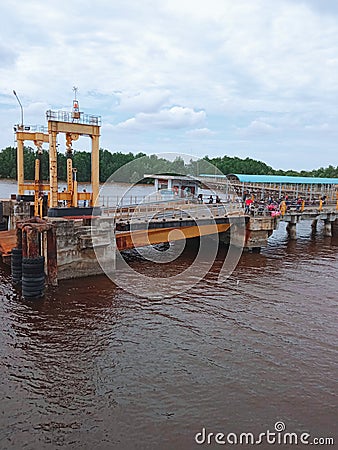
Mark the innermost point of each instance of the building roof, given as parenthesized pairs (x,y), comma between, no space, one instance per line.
(172,177)
(276,179)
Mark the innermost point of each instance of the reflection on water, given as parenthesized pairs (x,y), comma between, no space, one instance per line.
(92,366)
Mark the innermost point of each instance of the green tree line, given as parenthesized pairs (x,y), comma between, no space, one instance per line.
(111,162)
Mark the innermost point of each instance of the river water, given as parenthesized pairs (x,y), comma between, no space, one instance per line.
(94,367)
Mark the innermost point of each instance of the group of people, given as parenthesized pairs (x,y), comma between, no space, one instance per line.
(210,199)
(276,206)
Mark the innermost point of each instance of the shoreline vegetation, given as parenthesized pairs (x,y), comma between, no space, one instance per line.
(111,162)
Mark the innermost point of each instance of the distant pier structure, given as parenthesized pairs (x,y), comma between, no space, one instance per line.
(276,186)
(298,198)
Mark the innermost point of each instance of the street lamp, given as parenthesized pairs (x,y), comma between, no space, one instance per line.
(20,107)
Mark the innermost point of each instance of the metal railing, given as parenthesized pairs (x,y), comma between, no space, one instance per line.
(168,211)
(270,186)
(316,208)
(67,116)
(31,128)
(112,201)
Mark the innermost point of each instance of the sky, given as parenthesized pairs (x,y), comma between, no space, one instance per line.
(246,78)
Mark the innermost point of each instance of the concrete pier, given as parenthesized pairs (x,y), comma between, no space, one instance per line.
(258,230)
(327,231)
(292,230)
(334,227)
(80,241)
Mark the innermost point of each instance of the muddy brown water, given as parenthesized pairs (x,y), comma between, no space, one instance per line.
(94,367)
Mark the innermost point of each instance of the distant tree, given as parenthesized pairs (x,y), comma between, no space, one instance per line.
(82,162)
(62,166)
(178,166)
(116,164)
(8,163)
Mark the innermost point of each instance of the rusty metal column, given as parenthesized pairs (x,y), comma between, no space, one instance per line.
(75,200)
(20,167)
(70,183)
(52,266)
(53,166)
(95,169)
(33,243)
(18,238)
(36,187)
(24,243)
(70,175)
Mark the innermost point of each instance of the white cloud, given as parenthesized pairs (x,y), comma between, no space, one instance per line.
(145,101)
(257,128)
(200,132)
(175,117)
(271,65)
(319,127)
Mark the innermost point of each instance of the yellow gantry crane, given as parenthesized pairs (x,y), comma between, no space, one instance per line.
(73,125)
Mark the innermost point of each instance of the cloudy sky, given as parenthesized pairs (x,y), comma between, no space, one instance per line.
(255,78)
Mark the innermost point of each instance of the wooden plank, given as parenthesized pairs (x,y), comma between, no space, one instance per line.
(7,242)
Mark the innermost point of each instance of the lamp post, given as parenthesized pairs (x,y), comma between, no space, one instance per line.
(20,107)
(20,164)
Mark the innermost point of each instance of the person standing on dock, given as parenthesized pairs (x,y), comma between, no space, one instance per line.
(64,202)
(283,207)
(248,202)
(84,201)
